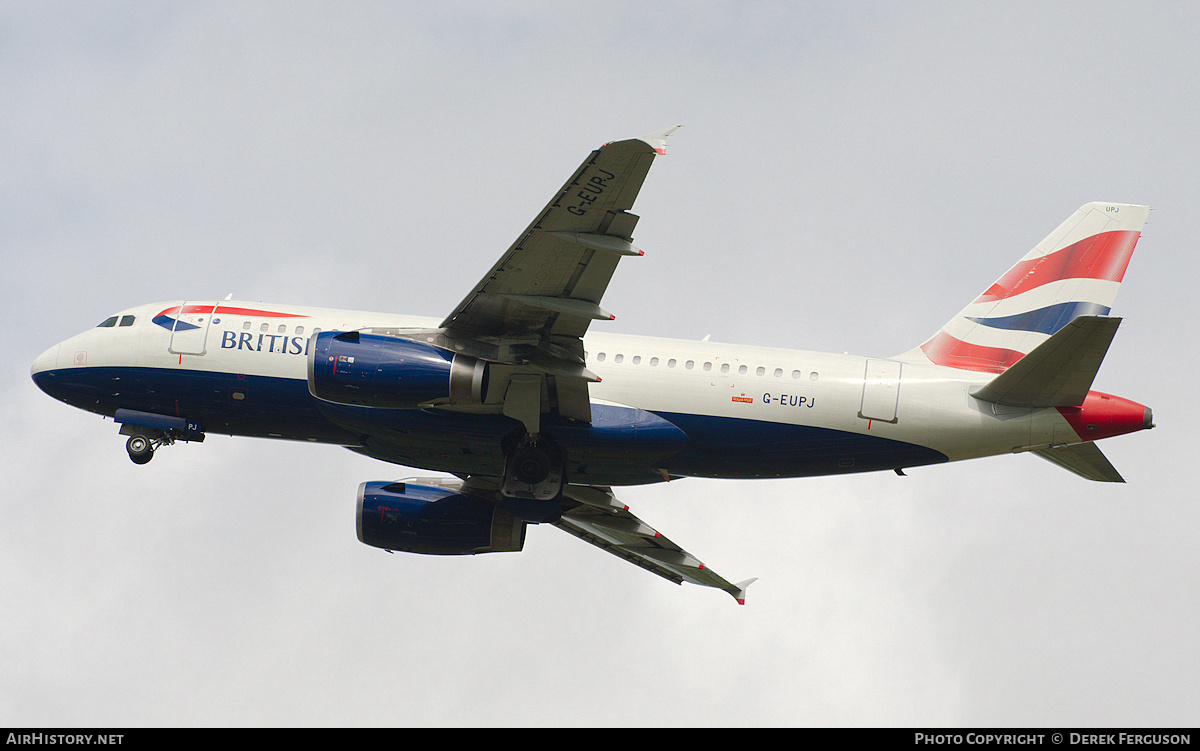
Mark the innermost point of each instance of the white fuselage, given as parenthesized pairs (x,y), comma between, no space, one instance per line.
(907,402)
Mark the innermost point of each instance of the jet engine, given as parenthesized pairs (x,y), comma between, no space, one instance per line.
(375,370)
(432,516)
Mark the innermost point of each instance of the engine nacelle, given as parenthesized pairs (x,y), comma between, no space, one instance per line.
(374,370)
(434,519)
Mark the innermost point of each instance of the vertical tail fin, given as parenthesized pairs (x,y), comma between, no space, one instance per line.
(1075,271)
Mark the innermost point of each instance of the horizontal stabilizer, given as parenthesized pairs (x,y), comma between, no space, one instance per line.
(1084,459)
(1058,372)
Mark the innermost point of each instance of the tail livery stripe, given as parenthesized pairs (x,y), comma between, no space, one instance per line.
(1103,256)
(944,349)
(1045,320)
(1074,271)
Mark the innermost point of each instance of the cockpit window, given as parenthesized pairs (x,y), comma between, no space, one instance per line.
(126,320)
(108,323)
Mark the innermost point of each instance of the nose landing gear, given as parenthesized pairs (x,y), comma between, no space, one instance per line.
(140,448)
(148,431)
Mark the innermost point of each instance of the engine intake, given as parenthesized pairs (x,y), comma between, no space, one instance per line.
(434,519)
(375,370)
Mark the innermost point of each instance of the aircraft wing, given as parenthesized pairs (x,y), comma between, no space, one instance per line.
(534,306)
(607,523)
(549,283)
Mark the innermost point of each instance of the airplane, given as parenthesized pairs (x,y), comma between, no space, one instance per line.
(535,419)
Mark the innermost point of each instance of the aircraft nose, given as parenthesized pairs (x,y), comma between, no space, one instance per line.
(44,363)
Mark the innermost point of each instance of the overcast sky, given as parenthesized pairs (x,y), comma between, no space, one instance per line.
(848,177)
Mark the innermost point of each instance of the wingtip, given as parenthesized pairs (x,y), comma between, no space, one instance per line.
(658,139)
(741,587)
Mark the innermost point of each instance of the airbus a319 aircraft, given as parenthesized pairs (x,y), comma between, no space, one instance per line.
(538,418)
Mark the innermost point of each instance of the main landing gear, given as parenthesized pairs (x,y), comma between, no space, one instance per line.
(533,478)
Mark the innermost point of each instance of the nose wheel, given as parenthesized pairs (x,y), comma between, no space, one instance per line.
(140,448)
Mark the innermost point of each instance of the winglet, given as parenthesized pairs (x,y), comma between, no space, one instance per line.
(658,139)
(739,590)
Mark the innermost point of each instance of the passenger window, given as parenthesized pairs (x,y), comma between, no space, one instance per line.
(761,370)
(689,365)
(796,374)
(264,327)
(600,357)
(708,366)
(653,361)
(282,328)
(619,358)
(245,326)
(778,372)
(671,363)
(126,320)
(741,370)
(812,376)
(637,359)
(299,330)
(108,323)
(724,367)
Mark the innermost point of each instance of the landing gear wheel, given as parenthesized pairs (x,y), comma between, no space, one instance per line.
(140,448)
(531,487)
(531,465)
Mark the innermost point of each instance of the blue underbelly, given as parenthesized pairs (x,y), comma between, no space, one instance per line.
(622,445)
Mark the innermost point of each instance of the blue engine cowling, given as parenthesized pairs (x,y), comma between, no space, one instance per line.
(435,520)
(375,370)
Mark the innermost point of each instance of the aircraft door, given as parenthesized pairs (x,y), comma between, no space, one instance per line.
(189,334)
(881,390)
